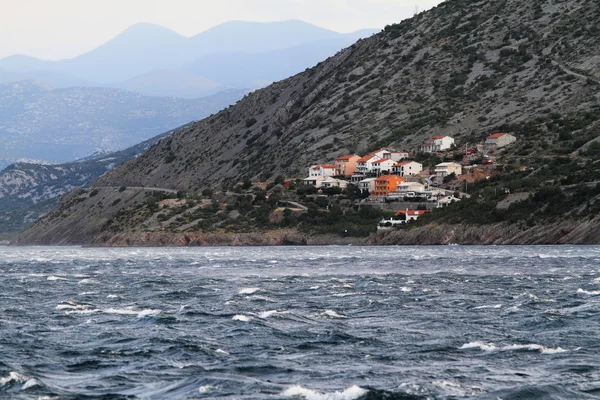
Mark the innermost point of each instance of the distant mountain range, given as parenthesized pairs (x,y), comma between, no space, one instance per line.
(39,122)
(156,61)
(30,189)
(133,87)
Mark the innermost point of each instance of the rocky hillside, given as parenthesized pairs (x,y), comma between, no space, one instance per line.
(37,121)
(28,190)
(465,68)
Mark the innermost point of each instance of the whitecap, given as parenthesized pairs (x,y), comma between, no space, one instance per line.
(55,278)
(479,345)
(242,318)
(30,383)
(205,389)
(114,296)
(333,314)
(591,293)
(149,313)
(512,347)
(88,282)
(483,307)
(222,352)
(72,307)
(351,393)
(14,377)
(249,290)
(406,289)
(267,314)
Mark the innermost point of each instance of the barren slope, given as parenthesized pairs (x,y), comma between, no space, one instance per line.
(465,68)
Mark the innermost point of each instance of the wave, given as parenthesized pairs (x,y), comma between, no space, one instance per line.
(512,347)
(85,309)
(591,293)
(240,317)
(18,378)
(249,290)
(56,278)
(351,393)
(333,314)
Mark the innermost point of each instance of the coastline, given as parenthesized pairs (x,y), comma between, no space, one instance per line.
(558,233)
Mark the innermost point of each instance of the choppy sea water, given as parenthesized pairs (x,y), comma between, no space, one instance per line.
(317,323)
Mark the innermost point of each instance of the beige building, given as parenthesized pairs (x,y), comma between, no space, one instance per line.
(346,165)
(498,140)
(448,168)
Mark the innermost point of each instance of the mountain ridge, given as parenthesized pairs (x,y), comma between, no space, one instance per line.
(467,68)
(131,53)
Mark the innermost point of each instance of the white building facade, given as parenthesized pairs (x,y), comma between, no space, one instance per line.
(437,143)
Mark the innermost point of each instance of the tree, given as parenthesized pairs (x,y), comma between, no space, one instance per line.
(332,191)
(246,184)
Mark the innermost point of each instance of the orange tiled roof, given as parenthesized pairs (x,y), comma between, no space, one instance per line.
(496,135)
(341,158)
(386,178)
(403,163)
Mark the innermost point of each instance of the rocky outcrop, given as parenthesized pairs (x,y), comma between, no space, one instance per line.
(574,232)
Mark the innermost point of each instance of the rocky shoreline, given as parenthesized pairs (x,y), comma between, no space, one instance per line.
(575,233)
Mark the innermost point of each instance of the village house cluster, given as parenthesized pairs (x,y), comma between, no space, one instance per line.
(388,175)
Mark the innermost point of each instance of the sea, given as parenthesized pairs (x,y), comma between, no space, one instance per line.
(314,323)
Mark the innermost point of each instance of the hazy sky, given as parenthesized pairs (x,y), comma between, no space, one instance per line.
(54,29)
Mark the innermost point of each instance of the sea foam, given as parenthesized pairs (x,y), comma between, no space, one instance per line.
(249,290)
(512,347)
(351,393)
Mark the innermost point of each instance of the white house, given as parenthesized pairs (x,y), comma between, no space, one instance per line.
(316,181)
(367,185)
(329,182)
(411,187)
(448,168)
(397,155)
(407,168)
(498,140)
(383,166)
(445,201)
(321,170)
(401,218)
(437,143)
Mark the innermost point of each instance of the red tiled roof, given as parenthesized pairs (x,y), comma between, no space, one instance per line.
(341,158)
(438,137)
(365,158)
(325,166)
(413,212)
(496,135)
(403,163)
(383,160)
